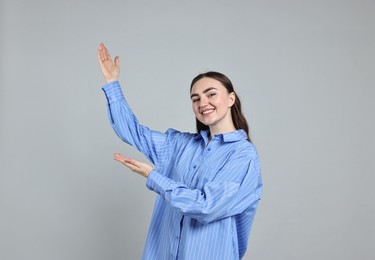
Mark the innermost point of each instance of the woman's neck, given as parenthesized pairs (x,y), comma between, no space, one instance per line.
(221,130)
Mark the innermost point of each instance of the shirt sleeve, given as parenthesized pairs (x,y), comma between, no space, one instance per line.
(218,199)
(153,144)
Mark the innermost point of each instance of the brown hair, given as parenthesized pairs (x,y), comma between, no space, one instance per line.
(238,118)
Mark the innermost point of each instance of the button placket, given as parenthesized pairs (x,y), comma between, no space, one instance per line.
(203,158)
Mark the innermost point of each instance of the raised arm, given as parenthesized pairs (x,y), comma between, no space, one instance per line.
(152,144)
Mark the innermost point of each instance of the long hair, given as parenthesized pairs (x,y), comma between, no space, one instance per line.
(239,120)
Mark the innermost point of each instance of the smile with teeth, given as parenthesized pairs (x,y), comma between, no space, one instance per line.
(208,111)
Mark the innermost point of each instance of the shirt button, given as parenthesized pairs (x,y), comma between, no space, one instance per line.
(194,166)
(209,149)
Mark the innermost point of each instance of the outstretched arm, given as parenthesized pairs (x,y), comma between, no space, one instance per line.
(218,199)
(110,69)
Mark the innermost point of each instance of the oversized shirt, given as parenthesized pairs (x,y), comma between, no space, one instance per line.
(208,191)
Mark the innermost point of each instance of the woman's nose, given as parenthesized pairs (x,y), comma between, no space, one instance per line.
(203,102)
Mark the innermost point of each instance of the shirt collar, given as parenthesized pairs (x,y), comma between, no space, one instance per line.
(228,137)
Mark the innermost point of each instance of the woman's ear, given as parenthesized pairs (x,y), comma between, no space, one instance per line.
(231,99)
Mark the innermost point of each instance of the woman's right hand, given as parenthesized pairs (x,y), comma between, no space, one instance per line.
(110,69)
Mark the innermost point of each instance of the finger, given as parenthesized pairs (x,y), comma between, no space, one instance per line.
(132,162)
(106,55)
(132,167)
(127,161)
(117,61)
(100,49)
(117,155)
(102,52)
(119,158)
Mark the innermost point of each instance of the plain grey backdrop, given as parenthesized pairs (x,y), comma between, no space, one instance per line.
(305,71)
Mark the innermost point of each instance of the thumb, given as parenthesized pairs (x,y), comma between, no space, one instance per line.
(117,61)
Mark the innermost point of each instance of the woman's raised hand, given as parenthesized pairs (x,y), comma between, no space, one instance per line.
(143,169)
(110,69)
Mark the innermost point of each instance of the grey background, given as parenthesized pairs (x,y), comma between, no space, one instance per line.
(305,73)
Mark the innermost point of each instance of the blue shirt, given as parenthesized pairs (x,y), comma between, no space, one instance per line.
(208,192)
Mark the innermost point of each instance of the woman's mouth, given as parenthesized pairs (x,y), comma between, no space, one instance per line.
(206,112)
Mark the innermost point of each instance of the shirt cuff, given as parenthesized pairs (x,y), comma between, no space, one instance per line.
(157,182)
(113,91)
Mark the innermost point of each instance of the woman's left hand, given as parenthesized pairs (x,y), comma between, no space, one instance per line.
(143,169)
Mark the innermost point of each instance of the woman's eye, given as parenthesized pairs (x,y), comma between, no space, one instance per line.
(195,100)
(211,94)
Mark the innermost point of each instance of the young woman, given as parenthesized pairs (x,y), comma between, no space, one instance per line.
(208,184)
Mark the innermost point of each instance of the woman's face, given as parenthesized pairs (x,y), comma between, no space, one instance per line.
(212,102)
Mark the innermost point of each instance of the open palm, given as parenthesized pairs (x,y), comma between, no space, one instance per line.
(110,68)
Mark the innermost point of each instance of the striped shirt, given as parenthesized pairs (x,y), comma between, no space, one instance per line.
(208,191)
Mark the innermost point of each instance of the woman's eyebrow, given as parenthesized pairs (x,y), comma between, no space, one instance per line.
(204,91)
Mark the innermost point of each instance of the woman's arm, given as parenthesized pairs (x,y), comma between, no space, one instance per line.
(156,146)
(218,199)
(152,144)
(237,192)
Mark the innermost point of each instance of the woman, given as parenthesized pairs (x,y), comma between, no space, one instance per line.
(208,183)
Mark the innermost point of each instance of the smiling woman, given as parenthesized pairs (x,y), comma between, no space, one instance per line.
(219,80)
(211,105)
(208,183)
